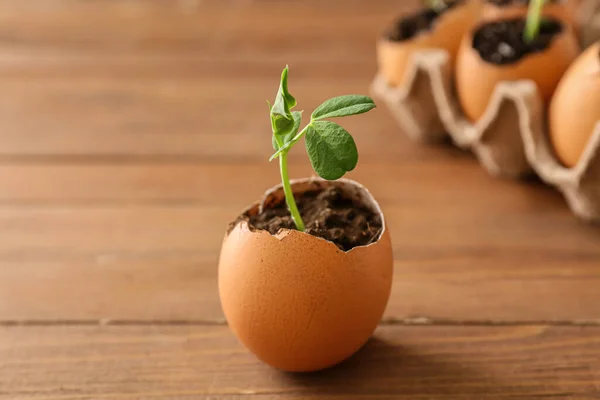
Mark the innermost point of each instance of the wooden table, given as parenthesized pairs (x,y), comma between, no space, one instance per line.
(134,131)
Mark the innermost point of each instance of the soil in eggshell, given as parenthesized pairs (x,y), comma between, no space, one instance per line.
(506,3)
(330,214)
(503,42)
(412,25)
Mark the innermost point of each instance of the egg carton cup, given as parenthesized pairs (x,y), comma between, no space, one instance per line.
(581,184)
(510,139)
(427,109)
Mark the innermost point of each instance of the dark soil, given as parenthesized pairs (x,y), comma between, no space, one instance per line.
(329,214)
(505,3)
(502,42)
(411,25)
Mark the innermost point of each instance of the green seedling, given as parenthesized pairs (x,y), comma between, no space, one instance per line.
(534,19)
(330,147)
(437,5)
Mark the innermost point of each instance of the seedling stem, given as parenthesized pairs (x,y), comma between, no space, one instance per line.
(534,17)
(437,5)
(287,190)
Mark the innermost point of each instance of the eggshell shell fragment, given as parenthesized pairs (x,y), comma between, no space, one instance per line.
(476,79)
(298,302)
(575,107)
(447,31)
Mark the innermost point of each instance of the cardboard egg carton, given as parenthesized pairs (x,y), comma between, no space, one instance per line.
(511,138)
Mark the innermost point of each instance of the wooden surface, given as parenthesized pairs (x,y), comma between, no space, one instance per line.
(134,131)
(405,363)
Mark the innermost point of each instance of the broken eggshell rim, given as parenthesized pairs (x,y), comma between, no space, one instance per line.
(566,30)
(518,4)
(523,7)
(303,185)
(434,27)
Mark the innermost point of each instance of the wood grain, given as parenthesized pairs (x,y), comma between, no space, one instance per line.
(202,362)
(416,178)
(482,288)
(133,131)
(140,241)
(156,78)
(170,115)
(214,26)
(144,240)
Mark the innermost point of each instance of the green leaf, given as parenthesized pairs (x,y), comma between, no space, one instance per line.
(343,106)
(282,120)
(297,116)
(290,141)
(331,149)
(282,125)
(284,101)
(288,136)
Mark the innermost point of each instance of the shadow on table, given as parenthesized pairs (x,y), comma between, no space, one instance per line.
(384,369)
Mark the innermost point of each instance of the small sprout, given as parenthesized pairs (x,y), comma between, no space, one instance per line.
(437,5)
(534,19)
(331,149)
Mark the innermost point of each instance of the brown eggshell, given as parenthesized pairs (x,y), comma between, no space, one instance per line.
(563,11)
(298,302)
(476,79)
(394,56)
(575,107)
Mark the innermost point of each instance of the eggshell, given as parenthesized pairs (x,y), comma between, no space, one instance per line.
(575,107)
(298,302)
(563,11)
(476,78)
(395,56)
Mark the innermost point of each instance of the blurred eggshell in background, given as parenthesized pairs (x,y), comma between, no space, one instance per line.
(575,107)
(298,302)
(476,79)
(394,57)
